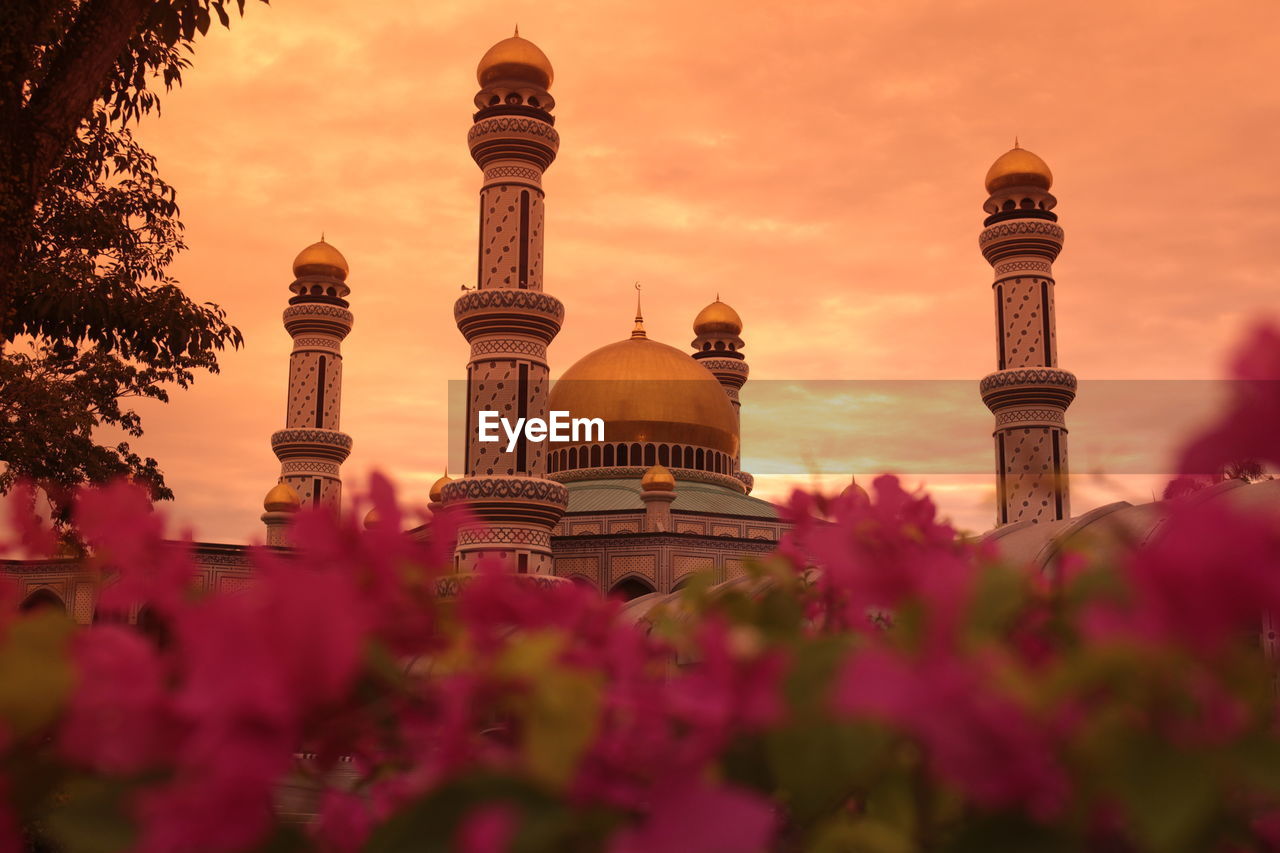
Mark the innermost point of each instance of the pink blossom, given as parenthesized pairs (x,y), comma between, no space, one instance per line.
(488,829)
(686,814)
(1249,428)
(119,719)
(972,734)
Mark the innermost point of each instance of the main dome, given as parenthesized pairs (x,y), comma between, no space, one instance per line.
(646,391)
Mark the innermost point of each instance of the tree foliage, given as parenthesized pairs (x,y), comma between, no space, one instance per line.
(90,317)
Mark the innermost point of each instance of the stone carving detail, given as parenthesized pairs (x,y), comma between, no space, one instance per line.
(1029,376)
(531,348)
(1017,416)
(1025,226)
(512,172)
(316,436)
(1019,266)
(512,124)
(312,309)
(502,488)
(504,536)
(323,343)
(732,481)
(733,364)
(508,297)
(294,467)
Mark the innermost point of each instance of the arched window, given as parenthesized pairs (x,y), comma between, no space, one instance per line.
(688,457)
(631,587)
(573,457)
(595,456)
(637,456)
(664,455)
(650,458)
(719,346)
(608,456)
(700,460)
(41,598)
(622,455)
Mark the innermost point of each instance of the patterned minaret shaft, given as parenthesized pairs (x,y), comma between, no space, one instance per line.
(1028,394)
(718,346)
(507,319)
(311,449)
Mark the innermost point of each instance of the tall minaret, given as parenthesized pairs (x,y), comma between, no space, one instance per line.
(718,346)
(507,319)
(1028,394)
(310,448)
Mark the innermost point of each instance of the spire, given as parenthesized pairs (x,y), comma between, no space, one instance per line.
(638,331)
(517,35)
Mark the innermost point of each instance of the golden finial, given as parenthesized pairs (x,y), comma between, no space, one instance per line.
(517,31)
(1015,143)
(638,331)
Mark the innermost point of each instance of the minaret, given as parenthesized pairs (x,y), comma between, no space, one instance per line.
(717,345)
(507,319)
(657,491)
(1028,394)
(280,504)
(310,448)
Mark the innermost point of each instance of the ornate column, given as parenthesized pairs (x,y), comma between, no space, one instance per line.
(507,319)
(311,449)
(657,491)
(280,505)
(1028,394)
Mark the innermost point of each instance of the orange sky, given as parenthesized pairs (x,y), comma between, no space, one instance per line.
(819,164)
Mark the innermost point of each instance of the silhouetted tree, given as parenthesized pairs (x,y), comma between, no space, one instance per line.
(89,318)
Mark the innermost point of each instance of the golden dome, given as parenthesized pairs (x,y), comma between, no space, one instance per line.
(282,498)
(1018,167)
(717,317)
(647,391)
(437,488)
(658,479)
(515,59)
(372,519)
(854,488)
(320,259)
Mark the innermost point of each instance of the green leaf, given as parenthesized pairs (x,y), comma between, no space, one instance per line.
(91,817)
(36,675)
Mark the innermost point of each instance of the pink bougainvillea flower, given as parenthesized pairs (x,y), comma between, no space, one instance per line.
(488,829)
(119,719)
(1250,428)
(687,814)
(995,750)
(36,539)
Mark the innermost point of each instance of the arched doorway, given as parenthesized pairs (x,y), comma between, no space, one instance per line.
(631,587)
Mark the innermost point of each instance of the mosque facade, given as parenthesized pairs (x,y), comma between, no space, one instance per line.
(663,495)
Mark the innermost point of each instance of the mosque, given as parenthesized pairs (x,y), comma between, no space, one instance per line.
(663,495)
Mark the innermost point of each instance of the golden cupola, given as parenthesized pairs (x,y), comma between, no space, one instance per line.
(321,259)
(515,60)
(282,498)
(658,479)
(717,318)
(437,488)
(1018,167)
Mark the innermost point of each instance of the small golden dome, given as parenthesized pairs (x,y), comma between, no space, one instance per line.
(372,519)
(437,488)
(854,488)
(1018,167)
(515,59)
(646,391)
(717,317)
(282,498)
(658,479)
(320,259)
